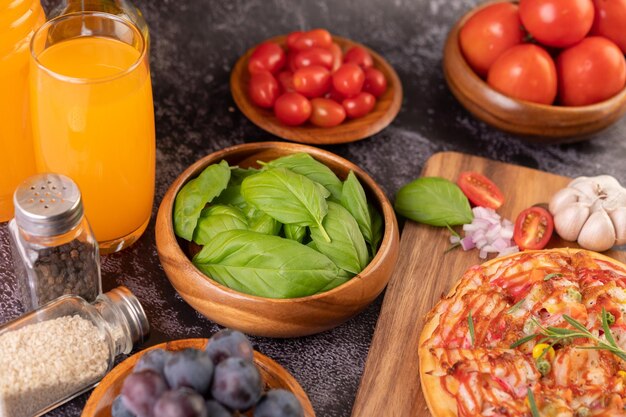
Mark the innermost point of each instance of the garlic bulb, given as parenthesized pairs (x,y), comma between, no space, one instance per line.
(592,211)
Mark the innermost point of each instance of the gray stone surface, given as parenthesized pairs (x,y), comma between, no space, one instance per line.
(195,44)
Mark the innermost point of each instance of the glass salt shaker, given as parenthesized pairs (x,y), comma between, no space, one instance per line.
(59,351)
(54,250)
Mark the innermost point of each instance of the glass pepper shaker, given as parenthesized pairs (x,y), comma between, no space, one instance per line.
(54,250)
(64,348)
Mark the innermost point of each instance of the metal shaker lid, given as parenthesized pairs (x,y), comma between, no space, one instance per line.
(48,204)
(132,311)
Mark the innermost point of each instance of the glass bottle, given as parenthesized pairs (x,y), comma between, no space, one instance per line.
(64,348)
(18,21)
(122,8)
(54,250)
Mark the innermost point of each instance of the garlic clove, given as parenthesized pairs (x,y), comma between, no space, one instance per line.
(589,188)
(569,221)
(606,181)
(598,233)
(615,199)
(618,217)
(563,198)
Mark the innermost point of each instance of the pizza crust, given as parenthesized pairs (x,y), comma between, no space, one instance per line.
(439,401)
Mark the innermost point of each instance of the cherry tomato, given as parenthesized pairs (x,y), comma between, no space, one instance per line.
(360,105)
(360,56)
(312,81)
(349,79)
(488,33)
(263,89)
(337,55)
(610,21)
(590,71)
(285,82)
(316,37)
(267,57)
(314,56)
(525,72)
(375,82)
(335,95)
(326,112)
(559,23)
(291,61)
(480,190)
(533,228)
(292,37)
(292,109)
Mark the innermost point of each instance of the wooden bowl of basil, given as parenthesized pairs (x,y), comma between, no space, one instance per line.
(261,306)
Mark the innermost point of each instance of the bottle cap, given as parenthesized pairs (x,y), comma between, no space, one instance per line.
(130,308)
(48,205)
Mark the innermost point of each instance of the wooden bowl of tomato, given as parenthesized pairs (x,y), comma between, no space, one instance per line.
(298,126)
(275,317)
(554,106)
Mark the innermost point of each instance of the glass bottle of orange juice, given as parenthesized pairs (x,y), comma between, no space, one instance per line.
(18,21)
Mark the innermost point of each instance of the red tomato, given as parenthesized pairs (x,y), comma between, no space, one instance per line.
(375,82)
(559,23)
(291,61)
(610,21)
(292,109)
(590,71)
(533,228)
(314,56)
(316,37)
(349,79)
(525,72)
(488,33)
(335,95)
(326,112)
(267,57)
(337,55)
(292,37)
(263,89)
(312,81)
(285,82)
(360,105)
(360,56)
(480,190)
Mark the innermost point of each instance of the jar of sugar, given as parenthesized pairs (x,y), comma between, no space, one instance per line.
(54,250)
(64,348)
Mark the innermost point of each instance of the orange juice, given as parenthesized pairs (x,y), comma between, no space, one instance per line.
(18,20)
(93,120)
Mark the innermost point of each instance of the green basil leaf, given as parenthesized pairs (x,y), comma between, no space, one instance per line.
(231,196)
(261,222)
(237,175)
(347,247)
(305,164)
(294,232)
(434,201)
(354,200)
(377,228)
(216,219)
(288,197)
(196,194)
(266,266)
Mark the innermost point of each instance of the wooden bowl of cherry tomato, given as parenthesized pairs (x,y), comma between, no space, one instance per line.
(312,87)
(565,84)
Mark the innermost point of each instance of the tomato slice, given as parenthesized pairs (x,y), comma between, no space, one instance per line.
(480,190)
(533,228)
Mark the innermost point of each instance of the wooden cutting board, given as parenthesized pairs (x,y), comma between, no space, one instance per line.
(390,385)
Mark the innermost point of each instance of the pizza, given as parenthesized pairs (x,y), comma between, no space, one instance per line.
(526,335)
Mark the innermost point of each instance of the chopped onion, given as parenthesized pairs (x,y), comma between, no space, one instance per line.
(489,233)
(454,239)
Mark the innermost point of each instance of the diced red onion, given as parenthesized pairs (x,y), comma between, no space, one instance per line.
(489,233)
(467,243)
(454,239)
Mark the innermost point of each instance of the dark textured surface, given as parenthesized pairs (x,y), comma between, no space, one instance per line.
(194,45)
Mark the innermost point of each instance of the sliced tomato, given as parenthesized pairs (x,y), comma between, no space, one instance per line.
(533,228)
(480,190)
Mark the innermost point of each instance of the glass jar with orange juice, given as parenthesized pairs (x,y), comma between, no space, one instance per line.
(93,119)
(18,21)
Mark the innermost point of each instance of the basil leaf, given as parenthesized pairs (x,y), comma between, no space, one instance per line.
(434,201)
(377,229)
(294,232)
(237,175)
(231,196)
(216,219)
(261,222)
(354,200)
(286,196)
(196,194)
(266,266)
(305,164)
(347,247)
